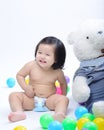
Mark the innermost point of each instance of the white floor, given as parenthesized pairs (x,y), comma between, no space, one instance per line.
(32,121)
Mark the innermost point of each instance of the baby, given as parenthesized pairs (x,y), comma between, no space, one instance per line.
(47,67)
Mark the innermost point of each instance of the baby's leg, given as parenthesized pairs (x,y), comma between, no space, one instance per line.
(59,104)
(18,103)
(16,116)
(15,101)
(59,116)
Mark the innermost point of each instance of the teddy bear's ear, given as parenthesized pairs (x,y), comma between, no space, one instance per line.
(70,38)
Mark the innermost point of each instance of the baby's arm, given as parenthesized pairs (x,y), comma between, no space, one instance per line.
(62,81)
(24,71)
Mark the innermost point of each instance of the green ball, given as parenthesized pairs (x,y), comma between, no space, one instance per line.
(45,120)
(69,123)
(90,116)
(68,89)
(90,126)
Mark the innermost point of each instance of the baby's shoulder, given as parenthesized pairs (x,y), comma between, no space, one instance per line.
(30,63)
(59,71)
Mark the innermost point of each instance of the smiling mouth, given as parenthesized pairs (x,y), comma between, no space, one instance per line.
(41,61)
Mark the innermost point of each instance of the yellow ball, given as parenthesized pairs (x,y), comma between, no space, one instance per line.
(20,128)
(57,84)
(27,80)
(81,122)
(99,122)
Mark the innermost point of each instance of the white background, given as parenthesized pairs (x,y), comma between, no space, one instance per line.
(23,23)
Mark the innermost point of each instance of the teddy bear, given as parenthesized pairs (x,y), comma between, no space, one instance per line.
(88,81)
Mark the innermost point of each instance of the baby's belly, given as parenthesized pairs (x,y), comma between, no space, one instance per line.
(44,90)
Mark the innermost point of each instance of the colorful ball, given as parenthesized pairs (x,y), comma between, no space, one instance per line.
(20,128)
(81,122)
(45,120)
(27,81)
(99,122)
(10,82)
(68,89)
(69,123)
(80,111)
(55,125)
(67,79)
(90,116)
(90,126)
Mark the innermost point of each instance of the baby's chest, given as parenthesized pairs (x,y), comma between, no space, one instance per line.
(43,77)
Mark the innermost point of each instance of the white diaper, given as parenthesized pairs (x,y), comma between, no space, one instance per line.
(40,104)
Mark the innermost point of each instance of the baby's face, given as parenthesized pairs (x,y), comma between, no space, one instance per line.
(45,56)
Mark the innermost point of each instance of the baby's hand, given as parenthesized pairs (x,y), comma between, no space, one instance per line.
(29,91)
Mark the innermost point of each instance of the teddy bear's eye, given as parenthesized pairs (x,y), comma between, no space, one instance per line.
(87,37)
(100,32)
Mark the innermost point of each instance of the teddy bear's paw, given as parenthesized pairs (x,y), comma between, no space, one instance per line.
(81,95)
(98,109)
(81,99)
(80,89)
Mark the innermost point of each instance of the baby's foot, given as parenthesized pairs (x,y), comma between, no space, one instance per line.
(59,116)
(16,116)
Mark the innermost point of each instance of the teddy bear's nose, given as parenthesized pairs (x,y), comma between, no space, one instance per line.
(100,32)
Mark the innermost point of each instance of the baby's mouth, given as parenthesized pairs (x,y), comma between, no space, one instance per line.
(42,61)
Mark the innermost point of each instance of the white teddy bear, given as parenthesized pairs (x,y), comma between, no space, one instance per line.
(88,82)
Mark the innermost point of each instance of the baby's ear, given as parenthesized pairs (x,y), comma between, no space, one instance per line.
(70,38)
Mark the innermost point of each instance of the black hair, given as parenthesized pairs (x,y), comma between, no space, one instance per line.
(60,51)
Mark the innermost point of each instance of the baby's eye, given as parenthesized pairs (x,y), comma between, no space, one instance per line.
(48,54)
(39,52)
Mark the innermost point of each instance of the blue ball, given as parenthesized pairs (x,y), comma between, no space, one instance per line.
(80,111)
(10,82)
(55,125)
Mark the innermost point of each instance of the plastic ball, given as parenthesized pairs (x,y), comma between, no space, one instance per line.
(58,91)
(90,116)
(67,79)
(84,129)
(69,124)
(80,111)
(55,125)
(20,128)
(99,122)
(27,81)
(45,120)
(90,126)
(81,122)
(68,89)
(10,82)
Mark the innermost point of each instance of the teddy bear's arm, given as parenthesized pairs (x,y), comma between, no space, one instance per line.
(80,89)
